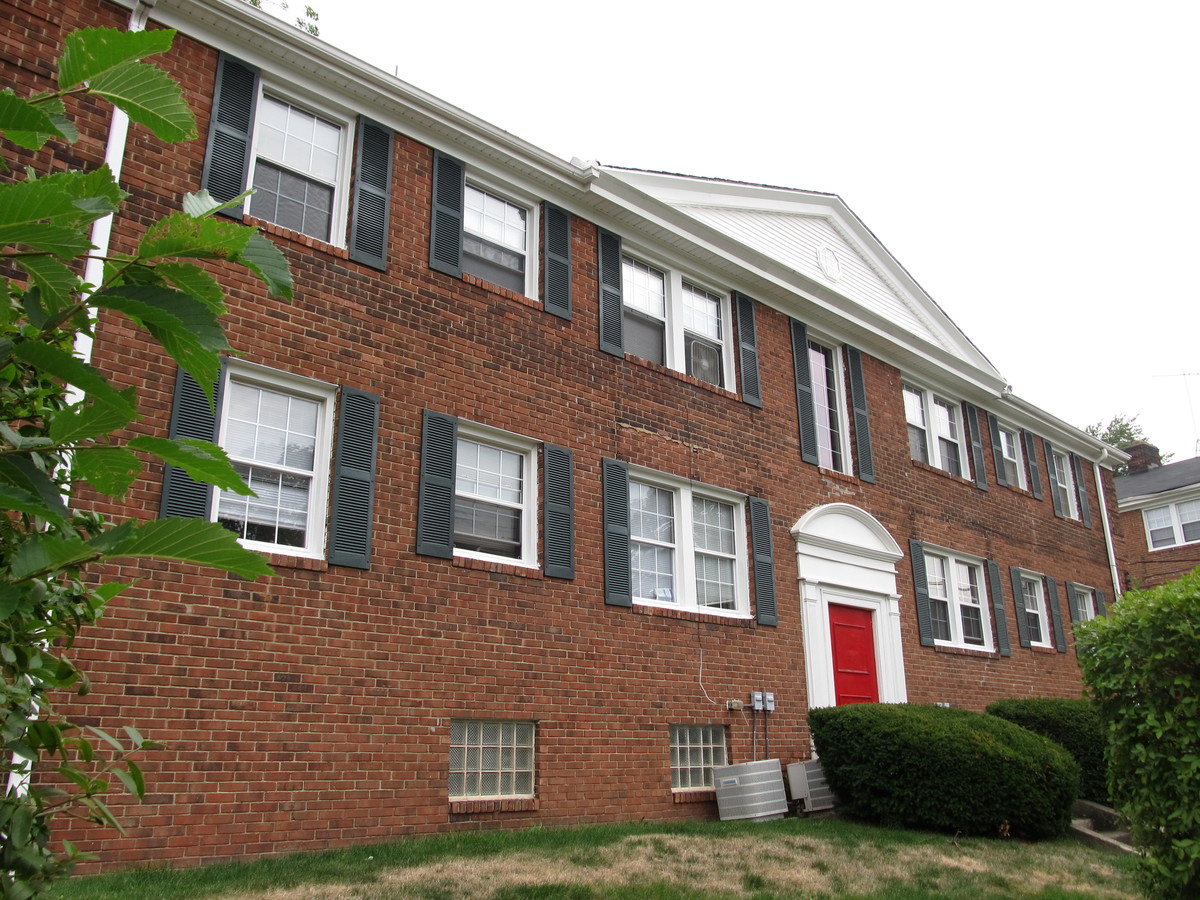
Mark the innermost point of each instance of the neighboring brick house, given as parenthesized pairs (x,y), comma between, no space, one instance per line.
(554,460)
(1159,509)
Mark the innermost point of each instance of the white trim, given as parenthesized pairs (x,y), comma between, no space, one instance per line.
(506,191)
(952,558)
(528,449)
(1047,629)
(840,397)
(933,437)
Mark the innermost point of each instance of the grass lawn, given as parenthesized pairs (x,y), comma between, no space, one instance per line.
(814,859)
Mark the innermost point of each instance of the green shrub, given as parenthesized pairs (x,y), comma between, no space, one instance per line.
(1142,663)
(1075,724)
(945,769)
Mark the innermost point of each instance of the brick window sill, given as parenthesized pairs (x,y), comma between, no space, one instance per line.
(691,615)
(514,804)
(682,376)
(694,796)
(506,293)
(297,237)
(917,464)
(498,568)
(967,651)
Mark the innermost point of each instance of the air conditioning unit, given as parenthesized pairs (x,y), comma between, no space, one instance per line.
(750,790)
(807,783)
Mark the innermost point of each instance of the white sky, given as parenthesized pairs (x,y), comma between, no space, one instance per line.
(1033,165)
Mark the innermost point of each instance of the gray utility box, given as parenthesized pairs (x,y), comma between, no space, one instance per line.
(751,790)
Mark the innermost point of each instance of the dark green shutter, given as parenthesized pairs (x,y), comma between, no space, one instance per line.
(996,588)
(618,572)
(612,337)
(977,463)
(191,417)
(863,458)
(559,511)
(1081,494)
(446,233)
(435,501)
(916,552)
(1073,601)
(353,501)
(1019,606)
(1101,606)
(557,296)
(369,215)
(1060,638)
(748,350)
(764,562)
(1051,480)
(230,131)
(804,394)
(998,451)
(1035,474)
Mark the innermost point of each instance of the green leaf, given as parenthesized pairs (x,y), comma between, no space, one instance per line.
(84,420)
(268,262)
(23,123)
(20,473)
(181,235)
(57,283)
(110,470)
(201,204)
(91,52)
(48,552)
(150,97)
(194,281)
(194,541)
(107,738)
(64,241)
(201,460)
(72,197)
(22,501)
(135,736)
(69,369)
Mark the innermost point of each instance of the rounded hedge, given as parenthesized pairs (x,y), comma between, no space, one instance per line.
(945,769)
(1075,724)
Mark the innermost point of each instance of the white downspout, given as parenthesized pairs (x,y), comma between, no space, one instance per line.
(1108,540)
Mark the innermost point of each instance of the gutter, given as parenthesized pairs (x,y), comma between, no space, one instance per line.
(1108,538)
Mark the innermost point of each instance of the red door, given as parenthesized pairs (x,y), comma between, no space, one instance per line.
(853,638)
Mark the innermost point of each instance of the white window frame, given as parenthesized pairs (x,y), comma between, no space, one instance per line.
(1178,538)
(1083,602)
(842,431)
(504,752)
(955,585)
(1042,612)
(1062,477)
(933,435)
(339,214)
(675,332)
(310,389)
(684,548)
(1007,431)
(528,450)
(480,181)
(696,740)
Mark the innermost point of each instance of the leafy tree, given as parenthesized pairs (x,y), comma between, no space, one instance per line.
(63,419)
(1121,431)
(306,22)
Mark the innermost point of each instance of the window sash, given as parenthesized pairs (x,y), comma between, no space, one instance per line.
(956,601)
(1031,590)
(823,371)
(1064,484)
(1172,525)
(494,498)
(1010,450)
(1084,601)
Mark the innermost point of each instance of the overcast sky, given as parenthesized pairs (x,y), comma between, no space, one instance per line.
(1033,165)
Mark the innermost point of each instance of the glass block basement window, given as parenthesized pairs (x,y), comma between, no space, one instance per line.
(695,749)
(490,759)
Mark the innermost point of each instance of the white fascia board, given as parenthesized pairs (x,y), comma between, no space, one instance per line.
(320,69)
(1062,434)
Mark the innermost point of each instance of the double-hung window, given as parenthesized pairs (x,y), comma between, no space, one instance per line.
(1173,524)
(491,759)
(1083,603)
(495,496)
(935,431)
(276,429)
(828,404)
(496,239)
(1011,456)
(669,320)
(687,545)
(957,600)
(1033,598)
(695,749)
(1062,482)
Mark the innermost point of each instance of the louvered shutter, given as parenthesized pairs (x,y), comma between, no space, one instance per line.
(1073,601)
(1101,605)
(354,456)
(977,463)
(1081,494)
(230,131)
(916,552)
(618,572)
(764,562)
(804,394)
(1014,575)
(1035,473)
(996,588)
(748,350)
(1052,601)
(1052,480)
(435,501)
(369,215)
(559,511)
(446,237)
(557,296)
(612,338)
(191,417)
(863,458)
(997,450)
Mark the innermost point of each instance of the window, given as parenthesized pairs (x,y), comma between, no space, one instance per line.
(496,239)
(1034,600)
(956,600)
(695,749)
(277,431)
(670,321)
(1011,456)
(490,759)
(495,494)
(1062,482)
(827,405)
(687,546)
(1083,603)
(1176,523)
(935,433)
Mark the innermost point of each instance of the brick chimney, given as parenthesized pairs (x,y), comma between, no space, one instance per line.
(1143,457)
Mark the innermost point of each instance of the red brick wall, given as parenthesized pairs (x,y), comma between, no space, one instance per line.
(312,709)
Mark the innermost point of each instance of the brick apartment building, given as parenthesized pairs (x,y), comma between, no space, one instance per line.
(554,461)
(1158,533)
